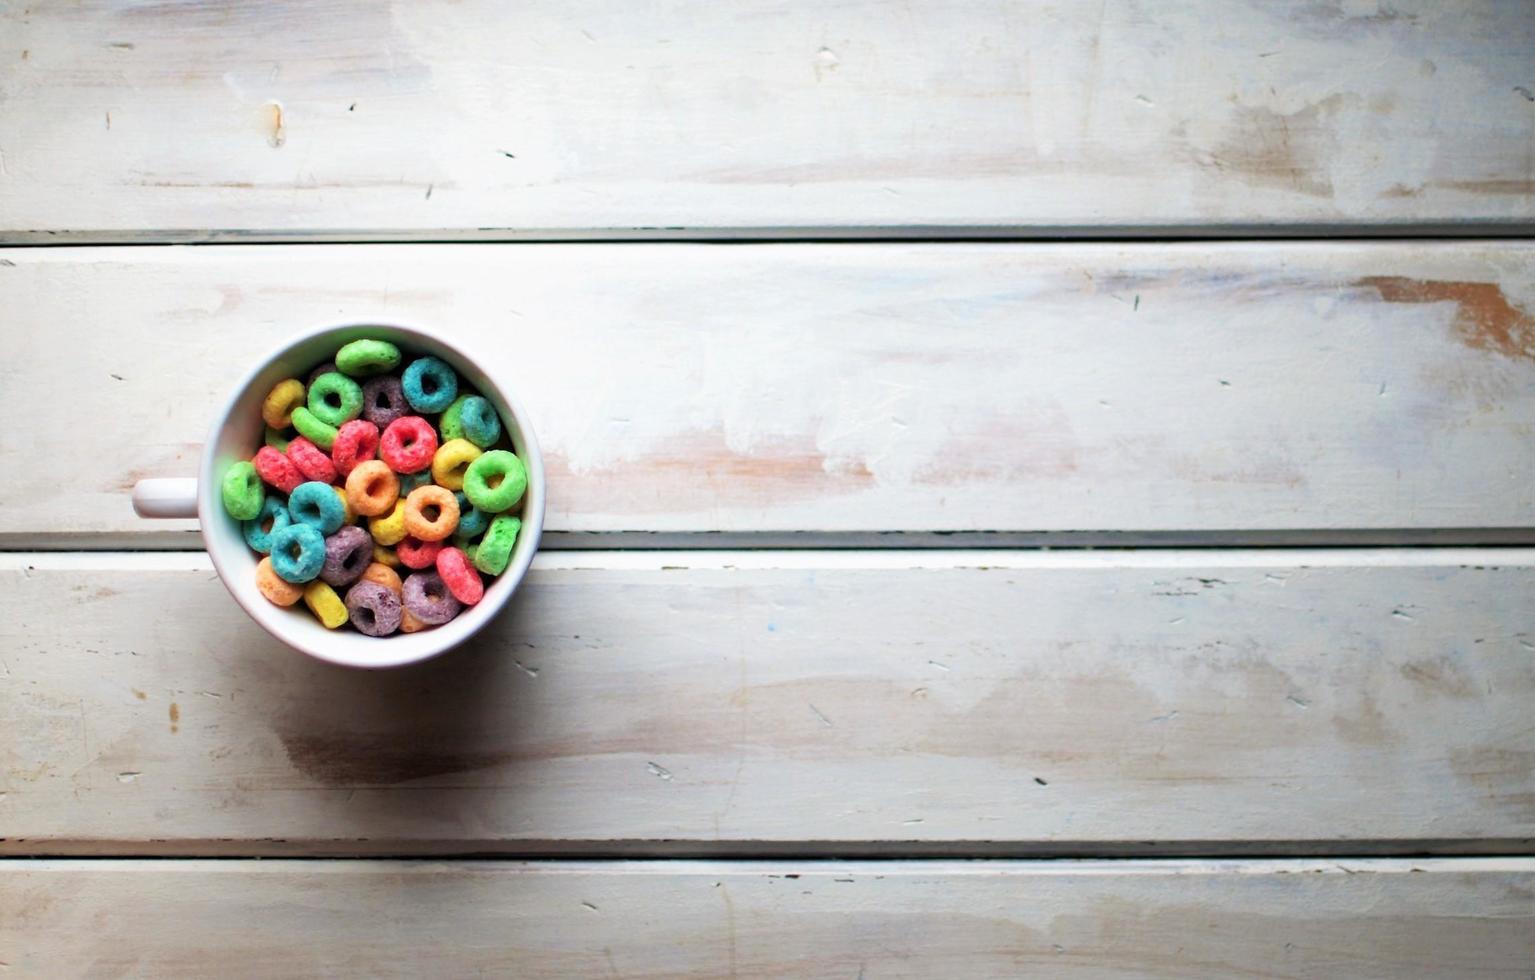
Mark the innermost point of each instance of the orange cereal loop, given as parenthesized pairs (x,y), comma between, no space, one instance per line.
(383,575)
(285,396)
(372,488)
(277,592)
(409,623)
(451,460)
(431,513)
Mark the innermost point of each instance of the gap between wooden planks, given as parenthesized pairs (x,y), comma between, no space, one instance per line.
(933,702)
(1360,918)
(435,119)
(1448,230)
(845,389)
(808,541)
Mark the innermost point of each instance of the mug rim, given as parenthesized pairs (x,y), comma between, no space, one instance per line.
(426,644)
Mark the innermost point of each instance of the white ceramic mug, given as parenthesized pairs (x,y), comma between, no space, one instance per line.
(237,434)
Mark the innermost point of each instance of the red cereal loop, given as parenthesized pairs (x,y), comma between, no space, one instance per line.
(276,469)
(408,444)
(415,553)
(459,576)
(311,460)
(356,442)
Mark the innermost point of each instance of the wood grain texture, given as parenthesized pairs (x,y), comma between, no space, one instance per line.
(1076,700)
(149,121)
(1206,919)
(841,388)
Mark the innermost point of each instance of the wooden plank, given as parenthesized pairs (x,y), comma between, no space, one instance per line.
(965,700)
(439,119)
(842,388)
(1359,919)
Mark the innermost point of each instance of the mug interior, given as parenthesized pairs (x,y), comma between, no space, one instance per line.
(238,432)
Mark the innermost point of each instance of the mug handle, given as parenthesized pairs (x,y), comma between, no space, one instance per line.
(175,497)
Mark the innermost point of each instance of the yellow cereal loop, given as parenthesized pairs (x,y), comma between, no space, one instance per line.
(385,556)
(451,460)
(285,396)
(325,604)
(390,528)
(348,515)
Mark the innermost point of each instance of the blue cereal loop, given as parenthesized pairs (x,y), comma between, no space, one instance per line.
(472,521)
(430,385)
(298,553)
(259,530)
(482,426)
(316,504)
(410,481)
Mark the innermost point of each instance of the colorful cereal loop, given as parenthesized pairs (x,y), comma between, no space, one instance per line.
(325,604)
(242,492)
(277,408)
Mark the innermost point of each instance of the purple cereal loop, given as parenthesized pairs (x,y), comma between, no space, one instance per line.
(383,400)
(347,554)
(428,599)
(374,609)
(326,368)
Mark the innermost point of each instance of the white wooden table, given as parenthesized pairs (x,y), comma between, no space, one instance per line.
(1035,489)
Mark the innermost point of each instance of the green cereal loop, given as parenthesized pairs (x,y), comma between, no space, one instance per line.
(335,398)
(504,493)
(451,426)
(242,491)
(277,440)
(364,358)
(493,553)
(312,428)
